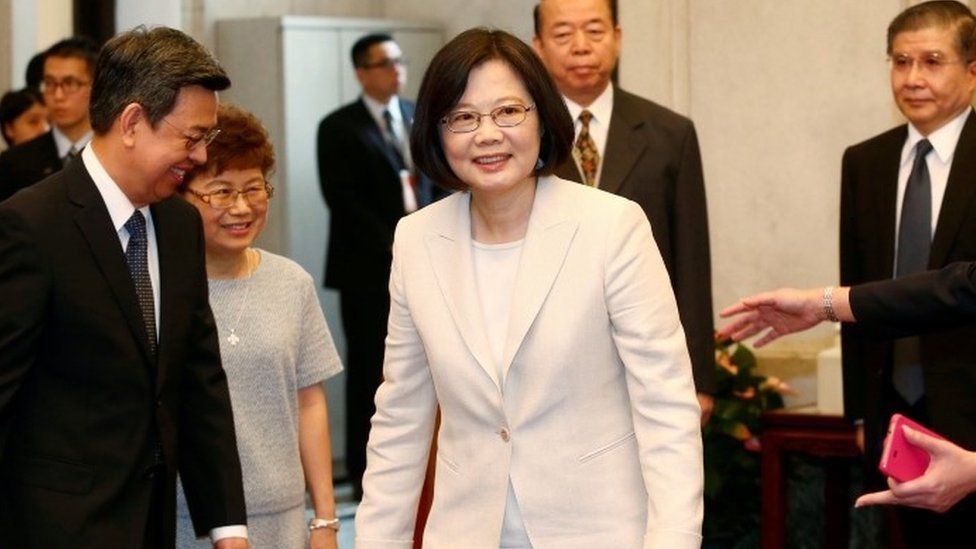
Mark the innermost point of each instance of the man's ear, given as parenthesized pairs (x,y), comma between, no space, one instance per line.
(129,120)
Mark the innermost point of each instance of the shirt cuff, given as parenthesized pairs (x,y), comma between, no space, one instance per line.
(234,531)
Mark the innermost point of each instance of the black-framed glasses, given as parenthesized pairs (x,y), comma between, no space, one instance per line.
(223,199)
(69,85)
(192,140)
(505,116)
(387,63)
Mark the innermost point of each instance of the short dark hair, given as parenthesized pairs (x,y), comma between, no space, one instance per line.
(242,144)
(537,17)
(15,103)
(360,50)
(444,84)
(149,67)
(34,73)
(80,47)
(947,14)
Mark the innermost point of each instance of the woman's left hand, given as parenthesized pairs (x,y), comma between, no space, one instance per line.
(323,538)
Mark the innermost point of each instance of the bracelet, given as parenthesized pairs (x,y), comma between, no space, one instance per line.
(319,523)
(827,304)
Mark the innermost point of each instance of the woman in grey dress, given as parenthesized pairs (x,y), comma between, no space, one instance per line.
(274,344)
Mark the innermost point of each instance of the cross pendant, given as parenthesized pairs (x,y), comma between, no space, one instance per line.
(232,338)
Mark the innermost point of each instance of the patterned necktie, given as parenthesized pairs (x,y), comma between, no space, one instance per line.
(914,244)
(587,155)
(137,259)
(394,138)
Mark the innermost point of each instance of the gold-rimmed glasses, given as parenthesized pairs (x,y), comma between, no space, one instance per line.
(225,198)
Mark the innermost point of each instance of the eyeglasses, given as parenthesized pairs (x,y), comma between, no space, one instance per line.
(193,140)
(223,199)
(505,116)
(69,85)
(929,63)
(385,63)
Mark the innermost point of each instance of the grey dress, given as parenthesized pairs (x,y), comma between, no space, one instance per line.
(273,342)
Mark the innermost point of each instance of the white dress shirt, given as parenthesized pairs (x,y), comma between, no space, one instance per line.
(939,162)
(64,144)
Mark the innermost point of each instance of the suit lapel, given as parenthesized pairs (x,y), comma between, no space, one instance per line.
(170,254)
(625,144)
(550,232)
(374,136)
(95,224)
(960,190)
(886,188)
(449,245)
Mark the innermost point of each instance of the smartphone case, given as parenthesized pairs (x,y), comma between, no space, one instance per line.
(900,459)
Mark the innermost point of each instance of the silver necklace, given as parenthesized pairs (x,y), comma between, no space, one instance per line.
(233,338)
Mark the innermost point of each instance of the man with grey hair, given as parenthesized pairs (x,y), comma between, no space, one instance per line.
(110,375)
(908,204)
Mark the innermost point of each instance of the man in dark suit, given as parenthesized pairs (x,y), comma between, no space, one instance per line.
(110,376)
(369,183)
(68,69)
(908,204)
(637,149)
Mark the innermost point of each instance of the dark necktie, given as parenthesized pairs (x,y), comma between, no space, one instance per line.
(137,259)
(914,244)
(73,153)
(588,156)
(394,139)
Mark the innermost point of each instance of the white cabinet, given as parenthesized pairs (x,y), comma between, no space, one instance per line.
(291,72)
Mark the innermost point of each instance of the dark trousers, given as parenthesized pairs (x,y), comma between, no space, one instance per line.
(364,317)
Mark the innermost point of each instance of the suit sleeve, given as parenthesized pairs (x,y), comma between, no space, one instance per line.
(401,432)
(209,465)
(340,152)
(7,187)
(23,299)
(691,263)
(920,303)
(850,273)
(651,343)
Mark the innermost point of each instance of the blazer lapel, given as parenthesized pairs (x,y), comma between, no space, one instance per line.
(449,245)
(625,144)
(96,226)
(886,187)
(547,241)
(960,190)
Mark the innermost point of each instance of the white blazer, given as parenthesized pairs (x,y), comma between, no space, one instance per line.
(596,422)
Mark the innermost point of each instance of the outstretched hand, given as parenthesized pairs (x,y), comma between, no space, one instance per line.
(950,476)
(779,312)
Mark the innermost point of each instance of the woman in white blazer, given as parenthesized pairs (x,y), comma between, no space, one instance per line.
(538,315)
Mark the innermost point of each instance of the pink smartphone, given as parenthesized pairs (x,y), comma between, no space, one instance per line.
(900,459)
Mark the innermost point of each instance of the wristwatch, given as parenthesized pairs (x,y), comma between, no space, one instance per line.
(316,523)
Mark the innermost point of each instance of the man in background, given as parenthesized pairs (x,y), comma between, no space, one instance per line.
(369,183)
(66,87)
(908,204)
(637,149)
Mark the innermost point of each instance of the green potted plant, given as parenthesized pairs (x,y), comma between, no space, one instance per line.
(731,441)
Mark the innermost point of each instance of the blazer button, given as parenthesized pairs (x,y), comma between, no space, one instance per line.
(506,436)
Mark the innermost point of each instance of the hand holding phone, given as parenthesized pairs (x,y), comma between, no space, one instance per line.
(900,459)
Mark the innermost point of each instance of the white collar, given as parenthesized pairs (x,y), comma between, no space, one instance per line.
(376,108)
(120,208)
(64,144)
(943,140)
(600,108)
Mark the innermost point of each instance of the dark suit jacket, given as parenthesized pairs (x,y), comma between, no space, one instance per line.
(867,247)
(27,164)
(921,303)
(360,181)
(652,158)
(82,404)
